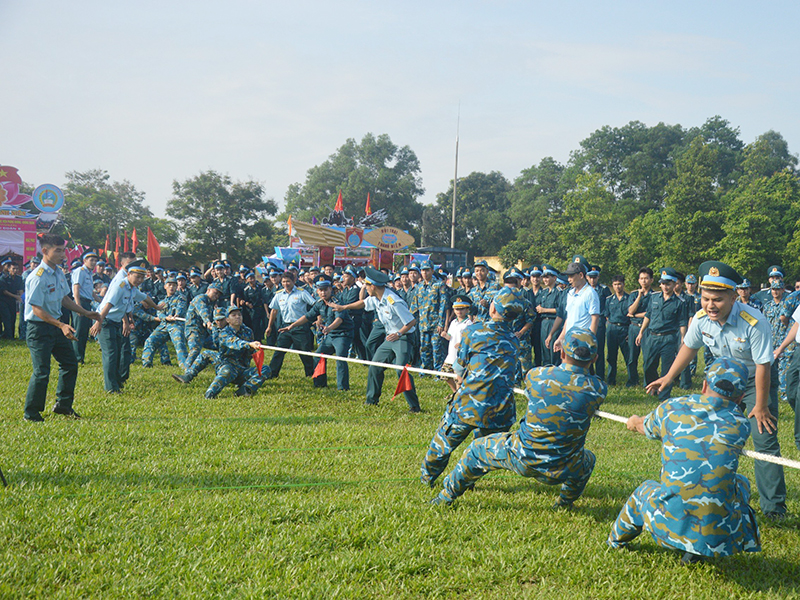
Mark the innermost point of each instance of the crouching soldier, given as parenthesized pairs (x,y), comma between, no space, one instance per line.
(486,365)
(549,444)
(701,505)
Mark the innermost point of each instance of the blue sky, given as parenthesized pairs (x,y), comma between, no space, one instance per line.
(157,91)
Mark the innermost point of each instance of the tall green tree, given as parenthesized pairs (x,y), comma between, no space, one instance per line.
(216,215)
(482,222)
(95,206)
(375,165)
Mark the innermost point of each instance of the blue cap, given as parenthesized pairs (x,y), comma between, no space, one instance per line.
(426,264)
(727,377)
(322,282)
(231,309)
(594,271)
(403,271)
(180,276)
(668,274)
(691,278)
(481,263)
(580,344)
(509,303)
(534,271)
(220,313)
(513,273)
(744,285)
(376,277)
(775,271)
(549,270)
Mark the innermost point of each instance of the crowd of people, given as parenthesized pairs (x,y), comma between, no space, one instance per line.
(552,332)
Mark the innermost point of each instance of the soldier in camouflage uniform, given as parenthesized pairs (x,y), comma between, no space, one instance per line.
(431,305)
(483,292)
(207,356)
(549,444)
(523,324)
(199,322)
(484,402)
(774,308)
(701,505)
(169,327)
(236,348)
(745,291)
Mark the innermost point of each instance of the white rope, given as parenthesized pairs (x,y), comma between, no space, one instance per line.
(778,460)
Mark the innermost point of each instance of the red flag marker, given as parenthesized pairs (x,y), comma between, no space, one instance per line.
(322,369)
(116,254)
(134,241)
(339,206)
(368,209)
(153,248)
(105,251)
(258,358)
(126,247)
(404,383)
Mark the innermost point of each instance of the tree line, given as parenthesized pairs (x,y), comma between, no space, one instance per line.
(628,197)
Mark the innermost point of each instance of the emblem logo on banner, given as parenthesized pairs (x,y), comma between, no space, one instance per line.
(354,236)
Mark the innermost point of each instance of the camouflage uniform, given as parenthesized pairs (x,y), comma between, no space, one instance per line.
(175,307)
(549,444)
(525,360)
(233,362)
(144,320)
(476,294)
(431,302)
(773,311)
(701,505)
(485,401)
(199,313)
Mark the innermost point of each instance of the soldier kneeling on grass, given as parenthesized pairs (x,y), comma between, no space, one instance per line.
(701,505)
(549,444)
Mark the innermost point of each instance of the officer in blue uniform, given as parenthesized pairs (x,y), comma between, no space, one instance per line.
(486,366)
(547,307)
(290,304)
(701,504)
(46,294)
(549,444)
(83,293)
(617,325)
(593,278)
(637,309)
(398,345)
(337,332)
(731,329)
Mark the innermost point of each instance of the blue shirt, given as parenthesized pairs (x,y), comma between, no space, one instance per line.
(121,296)
(745,336)
(83,278)
(292,305)
(390,310)
(45,288)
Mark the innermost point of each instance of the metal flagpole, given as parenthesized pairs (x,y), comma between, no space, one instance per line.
(455,185)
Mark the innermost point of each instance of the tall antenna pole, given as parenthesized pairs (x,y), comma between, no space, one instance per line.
(455,185)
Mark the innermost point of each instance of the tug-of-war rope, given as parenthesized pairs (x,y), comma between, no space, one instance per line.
(778,460)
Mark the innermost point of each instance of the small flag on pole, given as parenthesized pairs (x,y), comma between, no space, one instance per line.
(105,251)
(404,383)
(126,247)
(290,226)
(258,358)
(339,205)
(368,209)
(153,248)
(116,254)
(321,369)
(134,241)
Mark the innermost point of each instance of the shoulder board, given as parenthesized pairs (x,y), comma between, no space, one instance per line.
(40,272)
(700,313)
(122,284)
(390,299)
(748,317)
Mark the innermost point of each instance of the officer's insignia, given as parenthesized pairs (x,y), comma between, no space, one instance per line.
(40,272)
(749,318)
(700,313)
(577,259)
(122,284)
(390,300)
(663,273)
(714,272)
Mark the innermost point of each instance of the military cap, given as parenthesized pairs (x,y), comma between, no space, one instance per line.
(403,271)
(414,267)
(397,276)
(717,275)
(243,268)
(745,284)
(336,276)
(594,271)
(562,278)
(226,263)
(249,274)
(426,264)
(775,271)
(578,265)
(691,278)
(219,265)
(194,270)
(292,267)
(180,276)
(36,260)
(727,377)
(89,254)
(549,270)
(215,285)
(322,281)
(170,280)
(668,274)
(138,266)
(481,263)
(461,301)
(376,277)
(443,271)
(580,344)
(513,273)
(314,269)
(108,268)
(535,271)
(509,303)
(220,312)
(231,309)
(776,285)
(73,265)
(351,271)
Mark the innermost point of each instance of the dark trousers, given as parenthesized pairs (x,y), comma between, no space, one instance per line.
(599,367)
(8,317)
(659,349)
(548,356)
(82,331)
(110,338)
(338,346)
(358,344)
(299,338)
(376,337)
(617,339)
(633,354)
(536,342)
(398,352)
(793,393)
(44,341)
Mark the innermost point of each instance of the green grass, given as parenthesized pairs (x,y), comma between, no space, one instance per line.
(307,493)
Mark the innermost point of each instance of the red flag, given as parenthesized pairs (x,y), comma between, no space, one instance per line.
(134,241)
(404,383)
(322,369)
(127,247)
(290,227)
(339,206)
(10,174)
(153,248)
(258,358)
(105,251)
(368,209)
(116,254)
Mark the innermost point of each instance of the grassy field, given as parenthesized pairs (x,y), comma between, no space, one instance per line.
(307,493)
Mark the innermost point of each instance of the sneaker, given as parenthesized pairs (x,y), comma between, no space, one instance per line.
(181,378)
(67,412)
(776,516)
(243,391)
(34,418)
(561,504)
(441,501)
(690,558)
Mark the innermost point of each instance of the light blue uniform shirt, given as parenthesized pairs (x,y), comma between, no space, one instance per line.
(391,310)
(45,288)
(83,277)
(292,305)
(746,336)
(121,296)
